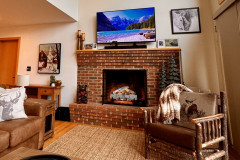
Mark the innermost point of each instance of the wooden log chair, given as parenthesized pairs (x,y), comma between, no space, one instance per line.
(200,134)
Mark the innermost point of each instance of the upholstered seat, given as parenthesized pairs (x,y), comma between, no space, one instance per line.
(4,139)
(173,134)
(29,127)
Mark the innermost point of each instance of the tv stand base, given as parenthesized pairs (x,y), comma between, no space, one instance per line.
(125,47)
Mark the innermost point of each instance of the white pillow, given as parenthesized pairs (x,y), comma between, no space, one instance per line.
(2,89)
(11,104)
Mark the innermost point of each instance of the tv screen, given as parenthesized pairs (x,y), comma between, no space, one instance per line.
(133,25)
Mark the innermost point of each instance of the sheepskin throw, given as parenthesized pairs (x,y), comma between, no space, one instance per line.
(169,105)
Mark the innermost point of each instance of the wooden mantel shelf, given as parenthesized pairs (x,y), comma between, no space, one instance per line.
(119,50)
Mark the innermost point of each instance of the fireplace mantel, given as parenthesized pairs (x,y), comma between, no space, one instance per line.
(128,50)
(91,64)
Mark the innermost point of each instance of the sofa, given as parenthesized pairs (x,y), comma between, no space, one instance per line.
(25,132)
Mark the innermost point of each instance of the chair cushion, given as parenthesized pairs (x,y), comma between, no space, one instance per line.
(195,105)
(21,129)
(177,135)
(4,140)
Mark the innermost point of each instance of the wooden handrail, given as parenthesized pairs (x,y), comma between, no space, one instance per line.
(208,118)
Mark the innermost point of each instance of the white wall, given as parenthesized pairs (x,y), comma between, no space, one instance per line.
(228,29)
(70,7)
(198,53)
(31,37)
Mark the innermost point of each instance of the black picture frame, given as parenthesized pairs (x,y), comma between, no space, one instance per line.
(49,58)
(185,20)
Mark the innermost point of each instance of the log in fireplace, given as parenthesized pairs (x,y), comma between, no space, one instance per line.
(127,87)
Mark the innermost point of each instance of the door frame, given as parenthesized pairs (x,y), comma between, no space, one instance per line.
(18,39)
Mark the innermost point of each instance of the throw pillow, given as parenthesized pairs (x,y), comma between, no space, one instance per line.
(2,90)
(11,104)
(195,105)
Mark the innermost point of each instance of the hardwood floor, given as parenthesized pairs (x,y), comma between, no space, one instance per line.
(62,127)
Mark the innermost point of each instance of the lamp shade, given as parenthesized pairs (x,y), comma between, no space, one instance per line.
(23,80)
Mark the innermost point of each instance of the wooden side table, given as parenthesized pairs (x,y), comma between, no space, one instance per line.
(37,91)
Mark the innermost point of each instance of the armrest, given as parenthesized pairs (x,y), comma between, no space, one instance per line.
(208,118)
(37,107)
(208,130)
(149,114)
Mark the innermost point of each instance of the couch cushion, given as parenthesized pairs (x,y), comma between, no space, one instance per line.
(4,139)
(11,102)
(173,134)
(21,129)
(195,105)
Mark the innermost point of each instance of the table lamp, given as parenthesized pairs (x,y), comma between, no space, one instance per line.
(23,80)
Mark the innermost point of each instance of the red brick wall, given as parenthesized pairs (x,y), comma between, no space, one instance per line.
(107,115)
(92,62)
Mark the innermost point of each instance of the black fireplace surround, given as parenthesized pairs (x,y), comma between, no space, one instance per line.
(135,81)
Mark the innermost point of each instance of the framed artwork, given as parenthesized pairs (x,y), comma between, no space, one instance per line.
(49,58)
(91,46)
(94,46)
(171,43)
(186,20)
(161,43)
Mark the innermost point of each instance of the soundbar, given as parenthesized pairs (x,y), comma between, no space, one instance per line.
(125,47)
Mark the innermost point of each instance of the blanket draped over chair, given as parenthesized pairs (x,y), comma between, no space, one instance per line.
(169,105)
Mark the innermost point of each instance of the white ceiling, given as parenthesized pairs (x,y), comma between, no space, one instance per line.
(29,12)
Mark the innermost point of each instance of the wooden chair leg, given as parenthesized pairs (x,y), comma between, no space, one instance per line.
(146,146)
(199,155)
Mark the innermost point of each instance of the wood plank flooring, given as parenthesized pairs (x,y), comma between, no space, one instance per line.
(62,127)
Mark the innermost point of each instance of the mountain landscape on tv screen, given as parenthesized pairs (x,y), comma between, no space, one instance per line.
(121,26)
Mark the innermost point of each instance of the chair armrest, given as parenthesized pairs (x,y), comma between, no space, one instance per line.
(208,118)
(208,130)
(149,114)
(37,107)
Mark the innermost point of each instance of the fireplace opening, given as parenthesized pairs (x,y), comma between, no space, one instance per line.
(126,87)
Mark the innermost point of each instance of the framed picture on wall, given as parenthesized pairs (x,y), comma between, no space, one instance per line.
(49,58)
(186,20)
(171,43)
(161,43)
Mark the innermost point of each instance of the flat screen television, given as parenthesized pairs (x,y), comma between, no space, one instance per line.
(132,25)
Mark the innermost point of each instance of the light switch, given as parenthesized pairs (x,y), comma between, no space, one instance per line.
(28,68)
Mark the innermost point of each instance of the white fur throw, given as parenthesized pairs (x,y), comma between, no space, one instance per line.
(169,105)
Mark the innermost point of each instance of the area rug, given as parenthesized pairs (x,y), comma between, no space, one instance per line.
(95,143)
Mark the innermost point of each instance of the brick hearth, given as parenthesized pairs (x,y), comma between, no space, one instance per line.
(91,64)
(107,115)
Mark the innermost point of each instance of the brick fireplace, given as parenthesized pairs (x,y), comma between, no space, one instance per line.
(92,67)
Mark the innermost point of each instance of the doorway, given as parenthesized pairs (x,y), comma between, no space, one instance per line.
(9,51)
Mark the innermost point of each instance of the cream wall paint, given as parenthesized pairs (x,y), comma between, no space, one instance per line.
(218,9)
(215,6)
(70,7)
(31,37)
(229,33)
(198,51)
(198,54)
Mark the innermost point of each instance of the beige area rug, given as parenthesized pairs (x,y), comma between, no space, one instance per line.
(91,143)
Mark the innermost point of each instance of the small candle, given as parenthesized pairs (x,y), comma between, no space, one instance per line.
(83,36)
(79,32)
